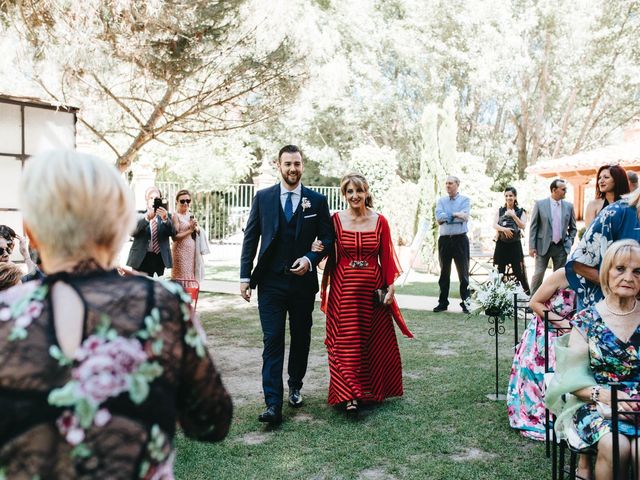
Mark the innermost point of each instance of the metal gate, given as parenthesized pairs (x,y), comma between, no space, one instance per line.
(223,211)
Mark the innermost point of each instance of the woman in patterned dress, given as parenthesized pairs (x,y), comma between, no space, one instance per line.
(607,336)
(96,368)
(615,222)
(525,395)
(364,359)
(184,242)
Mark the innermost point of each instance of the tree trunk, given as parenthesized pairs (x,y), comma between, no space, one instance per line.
(564,123)
(147,132)
(542,99)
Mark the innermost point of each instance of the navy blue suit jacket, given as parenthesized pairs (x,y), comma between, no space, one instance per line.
(262,227)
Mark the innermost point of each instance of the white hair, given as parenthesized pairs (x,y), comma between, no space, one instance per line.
(453,178)
(73,202)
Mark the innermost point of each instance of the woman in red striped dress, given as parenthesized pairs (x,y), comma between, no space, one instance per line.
(364,360)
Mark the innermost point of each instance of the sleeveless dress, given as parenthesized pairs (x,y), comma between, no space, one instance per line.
(525,394)
(364,359)
(183,250)
(110,411)
(611,360)
(511,253)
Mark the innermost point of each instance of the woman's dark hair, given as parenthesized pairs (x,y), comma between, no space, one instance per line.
(7,233)
(182,192)
(620,181)
(515,194)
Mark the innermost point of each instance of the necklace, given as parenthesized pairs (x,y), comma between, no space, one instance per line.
(621,314)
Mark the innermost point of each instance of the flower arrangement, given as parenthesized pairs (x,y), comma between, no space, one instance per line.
(494,297)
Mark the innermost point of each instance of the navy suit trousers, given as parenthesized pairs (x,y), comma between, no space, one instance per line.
(279,294)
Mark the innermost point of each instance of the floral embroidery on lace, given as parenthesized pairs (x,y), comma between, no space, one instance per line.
(24,312)
(105,365)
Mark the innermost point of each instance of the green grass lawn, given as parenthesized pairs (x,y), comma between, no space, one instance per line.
(230,273)
(443,428)
(427,289)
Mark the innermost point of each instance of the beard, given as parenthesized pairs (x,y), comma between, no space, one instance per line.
(291,179)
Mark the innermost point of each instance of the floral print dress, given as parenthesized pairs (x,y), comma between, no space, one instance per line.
(525,394)
(618,221)
(110,410)
(611,360)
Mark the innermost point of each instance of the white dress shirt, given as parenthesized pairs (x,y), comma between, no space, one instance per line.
(295,198)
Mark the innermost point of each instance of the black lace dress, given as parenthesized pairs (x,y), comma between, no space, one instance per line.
(111,410)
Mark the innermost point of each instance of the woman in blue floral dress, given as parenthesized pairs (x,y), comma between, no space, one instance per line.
(525,394)
(96,369)
(615,222)
(607,336)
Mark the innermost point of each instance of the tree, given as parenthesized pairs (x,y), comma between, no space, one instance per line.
(161,70)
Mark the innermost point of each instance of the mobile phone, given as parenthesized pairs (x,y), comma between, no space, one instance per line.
(157,202)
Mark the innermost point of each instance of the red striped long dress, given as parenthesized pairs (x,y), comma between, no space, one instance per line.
(364,360)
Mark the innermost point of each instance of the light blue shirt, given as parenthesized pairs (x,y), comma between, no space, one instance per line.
(295,198)
(445,208)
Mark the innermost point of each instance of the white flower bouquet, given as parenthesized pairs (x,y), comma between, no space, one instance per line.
(494,297)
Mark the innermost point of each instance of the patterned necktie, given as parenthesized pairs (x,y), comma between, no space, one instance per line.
(155,243)
(288,207)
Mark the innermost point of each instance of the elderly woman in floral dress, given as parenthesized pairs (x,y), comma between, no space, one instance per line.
(96,368)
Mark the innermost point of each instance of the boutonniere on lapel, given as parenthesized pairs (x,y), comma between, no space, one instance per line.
(305,203)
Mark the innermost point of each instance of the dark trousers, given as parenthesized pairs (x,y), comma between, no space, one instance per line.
(456,248)
(278,296)
(519,272)
(151,264)
(557,254)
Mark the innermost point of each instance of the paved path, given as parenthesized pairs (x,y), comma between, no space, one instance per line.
(410,302)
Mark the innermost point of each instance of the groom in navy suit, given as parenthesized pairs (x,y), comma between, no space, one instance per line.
(285,219)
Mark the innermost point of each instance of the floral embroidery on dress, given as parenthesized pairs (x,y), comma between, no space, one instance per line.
(105,365)
(23,312)
(195,336)
(159,462)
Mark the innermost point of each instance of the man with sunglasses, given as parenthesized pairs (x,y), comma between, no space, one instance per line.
(150,251)
(551,232)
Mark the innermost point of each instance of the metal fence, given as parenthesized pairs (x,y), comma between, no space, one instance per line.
(224,209)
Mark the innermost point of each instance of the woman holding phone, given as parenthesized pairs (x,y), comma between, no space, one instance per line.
(184,242)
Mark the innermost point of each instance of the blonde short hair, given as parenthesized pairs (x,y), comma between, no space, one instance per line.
(358,181)
(73,201)
(10,275)
(621,248)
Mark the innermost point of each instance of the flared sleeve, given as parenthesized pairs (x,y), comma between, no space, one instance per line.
(391,270)
(329,266)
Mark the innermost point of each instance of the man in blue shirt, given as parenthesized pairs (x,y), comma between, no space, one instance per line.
(452,214)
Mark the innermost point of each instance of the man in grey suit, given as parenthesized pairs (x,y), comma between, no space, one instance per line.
(551,232)
(150,251)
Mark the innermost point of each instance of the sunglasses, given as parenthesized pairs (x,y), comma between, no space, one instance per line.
(185,200)
(5,249)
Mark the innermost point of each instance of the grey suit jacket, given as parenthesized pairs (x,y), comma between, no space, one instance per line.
(142,236)
(541,230)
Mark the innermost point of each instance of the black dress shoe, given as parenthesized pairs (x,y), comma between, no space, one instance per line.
(295,397)
(440,308)
(464,308)
(271,415)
